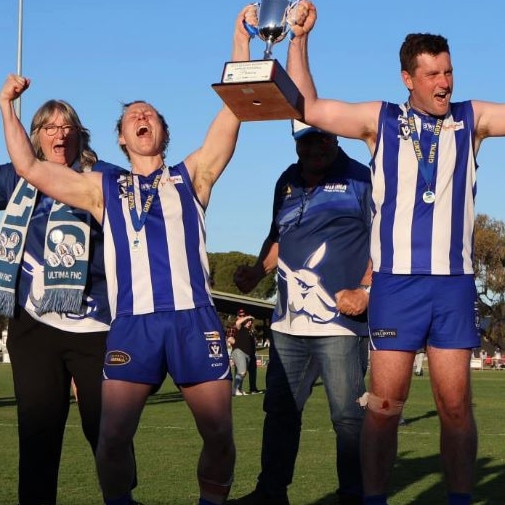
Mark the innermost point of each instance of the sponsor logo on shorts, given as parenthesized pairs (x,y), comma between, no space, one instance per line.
(215,351)
(117,358)
(212,335)
(384,333)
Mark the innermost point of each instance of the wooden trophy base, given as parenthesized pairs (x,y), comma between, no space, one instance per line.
(259,90)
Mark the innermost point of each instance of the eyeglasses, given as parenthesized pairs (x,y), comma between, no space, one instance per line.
(53,129)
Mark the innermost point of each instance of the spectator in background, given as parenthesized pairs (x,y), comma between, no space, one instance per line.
(231,331)
(252,369)
(419,361)
(243,350)
(266,339)
(253,366)
(497,353)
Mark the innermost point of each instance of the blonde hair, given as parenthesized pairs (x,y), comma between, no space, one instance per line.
(87,157)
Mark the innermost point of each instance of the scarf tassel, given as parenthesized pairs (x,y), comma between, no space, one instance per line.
(61,300)
(7,302)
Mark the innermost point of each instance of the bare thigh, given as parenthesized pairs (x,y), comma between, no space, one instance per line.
(391,373)
(450,378)
(122,405)
(210,403)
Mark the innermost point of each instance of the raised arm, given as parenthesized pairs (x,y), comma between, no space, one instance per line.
(358,121)
(206,164)
(489,121)
(55,180)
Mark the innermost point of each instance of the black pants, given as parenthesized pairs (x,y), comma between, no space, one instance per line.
(253,373)
(44,360)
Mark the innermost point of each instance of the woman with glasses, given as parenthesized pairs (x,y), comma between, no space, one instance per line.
(52,287)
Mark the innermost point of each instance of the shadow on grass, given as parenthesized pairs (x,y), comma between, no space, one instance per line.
(488,489)
(427,415)
(7,402)
(154,399)
(169,397)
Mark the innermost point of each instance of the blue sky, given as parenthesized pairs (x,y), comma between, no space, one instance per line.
(99,53)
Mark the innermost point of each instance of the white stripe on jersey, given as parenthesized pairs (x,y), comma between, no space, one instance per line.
(441,245)
(172,212)
(407,183)
(141,282)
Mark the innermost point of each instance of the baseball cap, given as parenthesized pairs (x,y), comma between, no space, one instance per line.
(299,129)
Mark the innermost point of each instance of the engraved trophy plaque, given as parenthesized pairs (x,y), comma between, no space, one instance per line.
(259,90)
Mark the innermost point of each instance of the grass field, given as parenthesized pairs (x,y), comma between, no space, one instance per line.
(167,446)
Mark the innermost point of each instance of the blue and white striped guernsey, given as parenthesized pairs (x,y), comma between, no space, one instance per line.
(410,236)
(170,269)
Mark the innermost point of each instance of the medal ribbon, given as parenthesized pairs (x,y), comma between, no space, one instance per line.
(139,221)
(426,167)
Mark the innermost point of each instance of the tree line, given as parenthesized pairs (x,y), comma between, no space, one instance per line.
(489,267)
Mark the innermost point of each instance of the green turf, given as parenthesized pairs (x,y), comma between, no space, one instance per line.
(167,447)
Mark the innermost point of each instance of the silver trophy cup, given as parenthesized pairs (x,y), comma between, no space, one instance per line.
(273,22)
(259,90)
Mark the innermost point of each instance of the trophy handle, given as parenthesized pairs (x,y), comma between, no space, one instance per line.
(291,12)
(253,30)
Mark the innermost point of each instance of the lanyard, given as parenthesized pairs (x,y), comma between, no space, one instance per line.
(426,167)
(138,221)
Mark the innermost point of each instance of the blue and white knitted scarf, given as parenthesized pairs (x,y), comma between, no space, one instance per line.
(66,253)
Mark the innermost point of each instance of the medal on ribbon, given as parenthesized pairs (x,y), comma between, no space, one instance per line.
(426,167)
(138,221)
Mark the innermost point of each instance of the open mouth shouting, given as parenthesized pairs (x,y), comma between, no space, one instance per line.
(143,129)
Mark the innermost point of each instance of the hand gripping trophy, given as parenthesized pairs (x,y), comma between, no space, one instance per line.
(259,90)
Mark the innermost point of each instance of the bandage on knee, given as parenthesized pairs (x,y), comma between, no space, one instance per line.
(385,406)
